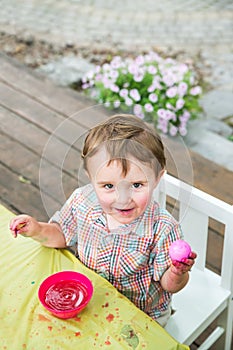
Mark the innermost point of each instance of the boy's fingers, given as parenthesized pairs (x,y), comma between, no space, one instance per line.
(192,255)
(185,265)
(16,225)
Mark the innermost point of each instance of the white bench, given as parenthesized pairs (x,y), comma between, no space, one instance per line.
(207,296)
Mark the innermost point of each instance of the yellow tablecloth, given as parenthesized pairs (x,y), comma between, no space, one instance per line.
(110,321)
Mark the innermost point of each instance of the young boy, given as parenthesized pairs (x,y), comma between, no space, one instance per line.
(114,224)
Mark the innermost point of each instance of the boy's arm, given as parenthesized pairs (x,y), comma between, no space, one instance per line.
(172,281)
(48,234)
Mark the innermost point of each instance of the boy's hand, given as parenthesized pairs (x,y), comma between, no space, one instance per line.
(24,225)
(181,267)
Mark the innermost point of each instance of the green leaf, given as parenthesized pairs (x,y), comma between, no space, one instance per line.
(24,180)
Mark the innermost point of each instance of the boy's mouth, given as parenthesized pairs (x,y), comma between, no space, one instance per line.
(125,211)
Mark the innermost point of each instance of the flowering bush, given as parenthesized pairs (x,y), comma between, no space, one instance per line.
(151,87)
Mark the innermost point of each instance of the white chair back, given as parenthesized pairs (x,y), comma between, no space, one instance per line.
(195,208)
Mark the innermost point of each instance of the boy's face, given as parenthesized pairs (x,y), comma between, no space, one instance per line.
(122,197)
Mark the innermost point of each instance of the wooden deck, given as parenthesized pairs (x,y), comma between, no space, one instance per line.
(42,128)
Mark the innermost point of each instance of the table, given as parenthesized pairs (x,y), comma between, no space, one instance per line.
(110,321)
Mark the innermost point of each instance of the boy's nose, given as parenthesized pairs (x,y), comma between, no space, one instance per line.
(123,193)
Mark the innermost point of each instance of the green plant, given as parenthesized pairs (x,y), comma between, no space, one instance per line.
(160,90)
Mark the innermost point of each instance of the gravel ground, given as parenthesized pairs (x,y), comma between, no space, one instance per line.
(35,53)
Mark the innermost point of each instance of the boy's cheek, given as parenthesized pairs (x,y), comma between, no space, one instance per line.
(104,201)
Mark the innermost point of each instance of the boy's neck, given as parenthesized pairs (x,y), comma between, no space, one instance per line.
(112,223)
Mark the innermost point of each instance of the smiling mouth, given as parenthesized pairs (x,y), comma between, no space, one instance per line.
(125,211)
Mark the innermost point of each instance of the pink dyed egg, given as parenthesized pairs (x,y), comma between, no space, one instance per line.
(179,250)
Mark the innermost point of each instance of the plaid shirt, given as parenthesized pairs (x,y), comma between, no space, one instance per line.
(132,257)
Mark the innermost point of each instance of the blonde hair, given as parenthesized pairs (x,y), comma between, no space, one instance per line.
(125,135)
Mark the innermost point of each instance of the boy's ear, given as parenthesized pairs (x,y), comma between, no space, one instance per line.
(160,175)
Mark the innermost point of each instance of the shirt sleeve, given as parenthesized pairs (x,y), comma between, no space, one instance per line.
(166,231)
(66,217)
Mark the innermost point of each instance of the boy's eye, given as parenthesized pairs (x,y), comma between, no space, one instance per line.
(137,185)
(108,186)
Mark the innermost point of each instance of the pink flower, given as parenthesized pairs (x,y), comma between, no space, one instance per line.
(140,60)
(114,88)
(106,82)
(153,56)
(195,91)
(138,76)
(97,69)
(116,103)
(171,92)
(116,62)
(169,115)
(180,103)
(185,117)
(153,97)
(170,61)
(182,130)
(106,67)
(161,113)
(135,95)
(168,79)
(183,68)
(85,86)
(182,89)
(98,77)
(140,115)
(151,88)
(113,74)
(128,101)
(157,85)
(148,107)
(123,93)
(91,83)
(170,106)
(137,109)
(166,114)
(133,68)
(173,130)
(152,69)
(163,125)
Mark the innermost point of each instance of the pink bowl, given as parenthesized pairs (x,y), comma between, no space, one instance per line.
(65,293)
